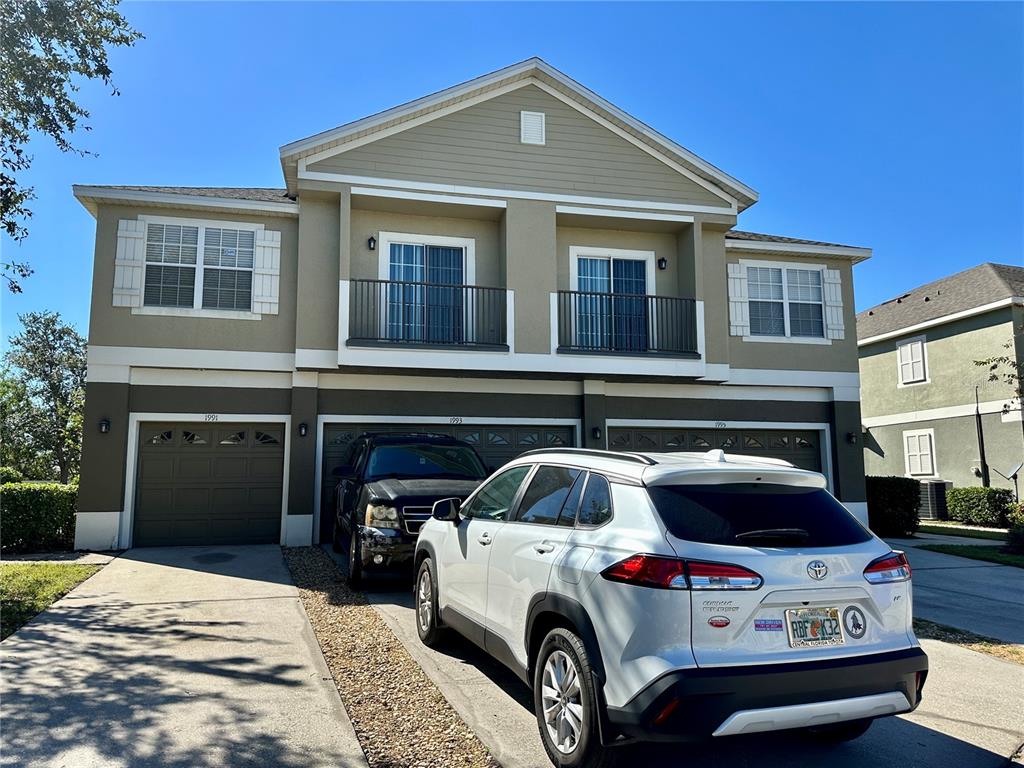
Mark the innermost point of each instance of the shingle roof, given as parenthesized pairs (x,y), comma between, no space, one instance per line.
(974,287)
(261,194)
(735,234)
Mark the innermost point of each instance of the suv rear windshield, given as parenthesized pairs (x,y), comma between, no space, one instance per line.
(424,460)
(756,515)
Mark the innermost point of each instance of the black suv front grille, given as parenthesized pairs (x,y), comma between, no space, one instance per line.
(415,517)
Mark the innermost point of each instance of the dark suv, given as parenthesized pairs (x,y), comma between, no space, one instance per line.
(386,490)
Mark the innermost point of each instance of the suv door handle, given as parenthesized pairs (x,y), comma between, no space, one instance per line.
(544,548)
(484,538)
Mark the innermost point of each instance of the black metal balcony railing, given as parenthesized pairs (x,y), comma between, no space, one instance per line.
(612,323)
(386,312)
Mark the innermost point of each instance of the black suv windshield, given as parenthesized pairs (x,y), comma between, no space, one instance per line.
(756,515)
(424,460)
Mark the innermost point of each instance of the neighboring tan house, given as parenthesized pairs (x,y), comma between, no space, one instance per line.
(513,260)
(918,378)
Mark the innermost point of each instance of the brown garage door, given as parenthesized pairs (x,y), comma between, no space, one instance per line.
(496,444)
(801,447)
(209,484)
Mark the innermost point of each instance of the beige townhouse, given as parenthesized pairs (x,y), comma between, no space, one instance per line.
(513,260)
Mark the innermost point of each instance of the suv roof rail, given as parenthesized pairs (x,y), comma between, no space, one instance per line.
(636,458)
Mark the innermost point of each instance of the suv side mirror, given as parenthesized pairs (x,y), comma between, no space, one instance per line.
(345,470)
(446,509)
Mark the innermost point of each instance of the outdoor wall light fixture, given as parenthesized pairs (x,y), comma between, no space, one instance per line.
(104,426)
(372,243)
(596,433)
(303,429)
(662,263)
(851,438)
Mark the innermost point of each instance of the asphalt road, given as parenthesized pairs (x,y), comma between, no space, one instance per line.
(972,715)
(968,594)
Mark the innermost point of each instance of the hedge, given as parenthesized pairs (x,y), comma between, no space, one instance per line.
(10,475)
(37,517)
(893,504)
(1015,538)
(980,506)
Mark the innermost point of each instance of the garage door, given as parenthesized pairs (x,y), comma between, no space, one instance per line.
(209,484)
(801,447)
(496,444)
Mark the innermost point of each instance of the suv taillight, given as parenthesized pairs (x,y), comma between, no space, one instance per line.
(888,569)
(675,573)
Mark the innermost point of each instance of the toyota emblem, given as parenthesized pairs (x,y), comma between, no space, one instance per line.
(817,570)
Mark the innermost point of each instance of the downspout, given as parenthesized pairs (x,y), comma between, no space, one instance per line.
(985,481)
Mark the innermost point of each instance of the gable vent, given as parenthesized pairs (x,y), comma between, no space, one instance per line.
(531,127)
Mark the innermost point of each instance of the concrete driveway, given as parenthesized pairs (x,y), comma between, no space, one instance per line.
(972,713)
(981,597)
(187,657)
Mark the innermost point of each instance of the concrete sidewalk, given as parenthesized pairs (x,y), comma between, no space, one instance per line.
(185,657)
(974,595)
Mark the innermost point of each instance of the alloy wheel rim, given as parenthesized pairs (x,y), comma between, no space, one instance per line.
(424,600)
(562,701)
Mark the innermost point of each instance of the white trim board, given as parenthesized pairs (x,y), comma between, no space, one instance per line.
(323,419)
(825,444)
(405,194)
(936,414)
(458,189)
(165,377)
(171,357)
(857,255)
(980,310)
(613,213)
(127,519)
(85,194)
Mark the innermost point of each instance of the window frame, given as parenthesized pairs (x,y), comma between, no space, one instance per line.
(933,459)
(197,309)
(580,476)
(611,502)
(386,239)
(926,377)
(785,266)
(513,508)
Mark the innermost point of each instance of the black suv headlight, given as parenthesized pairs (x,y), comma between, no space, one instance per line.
(382,516)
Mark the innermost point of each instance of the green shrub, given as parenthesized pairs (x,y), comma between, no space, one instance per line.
(893,504)
(10,475)
(1015,538)
(37,517)
(986,507)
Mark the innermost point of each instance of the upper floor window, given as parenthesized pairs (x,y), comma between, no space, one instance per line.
(910,359)
(179,273)
(786,301)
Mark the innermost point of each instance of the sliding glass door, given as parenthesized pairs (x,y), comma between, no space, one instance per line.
(425,298)
(611,306)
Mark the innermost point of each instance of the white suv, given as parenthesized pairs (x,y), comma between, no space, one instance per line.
(673,596)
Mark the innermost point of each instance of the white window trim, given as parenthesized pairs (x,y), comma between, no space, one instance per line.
(577,252)
(787,339)
(386,239)
(197,309)
(900,384)
(930,434)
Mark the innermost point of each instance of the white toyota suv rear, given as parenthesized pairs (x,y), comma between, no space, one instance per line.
(673,596)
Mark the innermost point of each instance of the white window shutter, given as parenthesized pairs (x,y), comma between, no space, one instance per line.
(739,309)
(266,277)
(129,263)
(834,326)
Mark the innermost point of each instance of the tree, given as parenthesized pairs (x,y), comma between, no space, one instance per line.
(47,362)
(47,47)
(1008,369)
(17,430)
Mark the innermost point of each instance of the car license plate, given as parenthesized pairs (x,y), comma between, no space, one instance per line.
(814,626)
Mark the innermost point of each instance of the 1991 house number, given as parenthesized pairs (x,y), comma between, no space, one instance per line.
(211,417)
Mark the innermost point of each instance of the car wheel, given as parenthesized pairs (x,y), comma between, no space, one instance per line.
(355,561)
(566,705)
(837,733)
(427,624)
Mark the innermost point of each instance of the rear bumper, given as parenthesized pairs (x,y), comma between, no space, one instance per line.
(696,703)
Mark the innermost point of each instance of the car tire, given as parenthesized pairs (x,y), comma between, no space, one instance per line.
(355,561)
(837,733)
(572,737)
(428,624)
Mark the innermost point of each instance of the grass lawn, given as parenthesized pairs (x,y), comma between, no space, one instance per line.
(28,588)
(956,530)
(977,552)
(929,630)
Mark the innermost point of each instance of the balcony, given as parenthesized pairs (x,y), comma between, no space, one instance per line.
(427,315)
(626,324)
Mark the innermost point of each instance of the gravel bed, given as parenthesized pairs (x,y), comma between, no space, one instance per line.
(400,717)
(929,630)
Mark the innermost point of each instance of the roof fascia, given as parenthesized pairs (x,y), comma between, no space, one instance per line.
(88,196)
(856,255)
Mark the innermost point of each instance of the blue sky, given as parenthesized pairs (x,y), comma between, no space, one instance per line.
(895,126)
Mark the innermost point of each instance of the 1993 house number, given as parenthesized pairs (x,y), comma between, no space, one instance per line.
(455,420)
